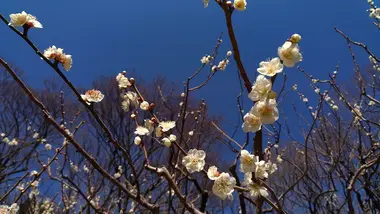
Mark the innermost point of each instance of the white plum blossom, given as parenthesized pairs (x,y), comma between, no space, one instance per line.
(20,19)
(58,55)
(260,89)
(33,173)
(144,105)
(295,38)
(240,4)
(137,140)
(255,189)
(205,3)
(212,173)
(172,138)
(194,161)
(290,54)
(266,110)
(224,186)
(13,209)
(123,81)
(48,146)
(260,169)
(13,142)
(191,133)
(92,96)
(166,142)
(251,123)
(374,13)
(141,130)
(129,101)
(167,125)
(223,64)
(271,167)
(271,67)
(206,59)
(247,161)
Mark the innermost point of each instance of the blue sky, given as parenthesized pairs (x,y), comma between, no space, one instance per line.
(169,38)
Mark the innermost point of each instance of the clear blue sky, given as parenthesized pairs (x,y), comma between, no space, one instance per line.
(169,38)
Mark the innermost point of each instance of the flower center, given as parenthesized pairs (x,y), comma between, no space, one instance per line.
(265,111)
(253,120)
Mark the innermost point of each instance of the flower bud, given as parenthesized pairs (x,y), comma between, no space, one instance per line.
(295,38)
(167,142)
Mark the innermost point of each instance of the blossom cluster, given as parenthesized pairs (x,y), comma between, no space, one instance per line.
(265,109)
(131,100)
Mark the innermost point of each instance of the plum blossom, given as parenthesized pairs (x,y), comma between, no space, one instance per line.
(224,186)
(58,55)
(251,123)
(129,101)
(295,38)
(205,3)
(266,110)
(206,59)
(260,169)
(123,81)
(172,138)
(213,173)
(374,13)
(271,67)
(13,209)
(20,19)
(290,54)
(194,161)
(255,189)
(167,125)
(247,161)
(223,64)
(166,142)
(92,96)
(240,4)
(141,130)
(271,167)
(137,140)
(144,106)
(260,89)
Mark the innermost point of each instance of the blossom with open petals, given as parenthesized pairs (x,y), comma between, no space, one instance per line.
(247,161)
(123,81)
(240,5)
(290,54)
(57,54)
(266,110)
(260,89)
(67,62)
(255,189)
(194,161)
(271,67)
(129,101)
(252,123)
(20,19)
(167,125)
(224,186)
(141,130)
(92,96)
(213,173)
(260,169)
(374,13)
(13,209)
